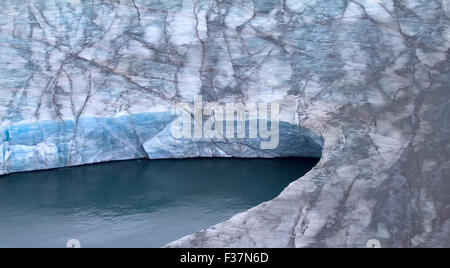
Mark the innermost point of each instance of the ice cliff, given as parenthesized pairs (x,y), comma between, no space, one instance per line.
(91,81)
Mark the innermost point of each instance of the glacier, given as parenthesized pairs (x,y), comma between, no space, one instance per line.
(55,144)
(363,84)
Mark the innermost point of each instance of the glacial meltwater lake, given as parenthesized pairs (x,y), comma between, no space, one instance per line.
(140,203)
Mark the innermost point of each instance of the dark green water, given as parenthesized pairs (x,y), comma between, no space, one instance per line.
(135,203)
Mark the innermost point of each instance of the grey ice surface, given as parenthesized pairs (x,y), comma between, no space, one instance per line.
(93,81)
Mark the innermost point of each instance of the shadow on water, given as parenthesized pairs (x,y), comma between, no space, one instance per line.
(138,203)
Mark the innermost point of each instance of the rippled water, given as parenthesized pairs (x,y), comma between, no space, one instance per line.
(138,203)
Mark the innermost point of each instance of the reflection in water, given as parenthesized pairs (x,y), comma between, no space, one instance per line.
(138,203)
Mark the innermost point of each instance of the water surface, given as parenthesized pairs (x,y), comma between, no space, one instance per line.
(141,203)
